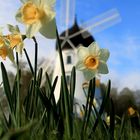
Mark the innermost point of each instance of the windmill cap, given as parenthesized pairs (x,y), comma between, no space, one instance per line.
(76,40)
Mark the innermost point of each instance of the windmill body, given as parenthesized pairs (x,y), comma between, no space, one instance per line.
(69,50)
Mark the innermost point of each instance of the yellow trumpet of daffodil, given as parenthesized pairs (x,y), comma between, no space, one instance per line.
(38,16)
(5,51)
(131,111)
(92,60)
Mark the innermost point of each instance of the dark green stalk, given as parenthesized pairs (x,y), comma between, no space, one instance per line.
(29,62)
(86,111)
(8,93)
(104,102)
(92,93)
(27,56)
(35,75)
(65,90)
(18,115)
(36,57)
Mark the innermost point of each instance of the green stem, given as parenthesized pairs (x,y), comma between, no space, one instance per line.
(35,75)
(36,57)
(29,62)
(18,92)
(66,98)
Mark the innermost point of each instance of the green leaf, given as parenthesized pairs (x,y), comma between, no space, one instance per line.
(104,102)
(68,114)
(92,93)
(112,120)
(29,62)
(14,93)
(72,88)
(122,127)
(3,118)
(29,100)
(39,78)
(6,85)
(52,91)
(88,107)
(100,122)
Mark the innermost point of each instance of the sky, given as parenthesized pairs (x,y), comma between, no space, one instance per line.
(122,39)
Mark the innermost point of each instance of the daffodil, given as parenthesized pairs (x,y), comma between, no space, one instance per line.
(15,39)
(92,60)
(38,15)
(3,52)
(6,52)
(131,111)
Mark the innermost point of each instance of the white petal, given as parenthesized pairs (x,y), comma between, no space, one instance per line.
(104,54)
(93,48)
(89,74)
(50,3)
(82,52)
(80,65)
(31,30)
(103,69)
(48,29)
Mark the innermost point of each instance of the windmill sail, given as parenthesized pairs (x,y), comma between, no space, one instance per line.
(94,25)
(67,15)
(101,22)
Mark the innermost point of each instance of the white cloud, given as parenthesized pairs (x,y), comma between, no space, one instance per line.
(130,80)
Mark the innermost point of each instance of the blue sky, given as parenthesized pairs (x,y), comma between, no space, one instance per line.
(122,39)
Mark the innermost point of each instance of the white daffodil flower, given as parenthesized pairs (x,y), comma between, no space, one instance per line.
(38,16)
(92,60)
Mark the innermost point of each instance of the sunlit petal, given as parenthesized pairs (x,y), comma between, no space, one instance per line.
(89,74)
(32,29)
(82,52)
(103,69)
(80,65)
(94,48)
(48,29)
(104,54)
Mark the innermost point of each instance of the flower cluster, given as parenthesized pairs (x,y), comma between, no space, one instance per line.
(37,16)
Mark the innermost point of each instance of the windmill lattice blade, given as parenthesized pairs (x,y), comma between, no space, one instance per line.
(67,15)
(99,23)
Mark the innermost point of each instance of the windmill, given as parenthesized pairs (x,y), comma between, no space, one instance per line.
(72,37)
